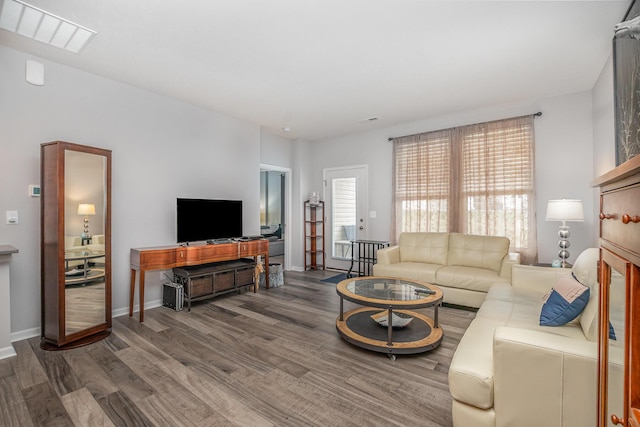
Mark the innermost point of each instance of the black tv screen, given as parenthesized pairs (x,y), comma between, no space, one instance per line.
(202,219)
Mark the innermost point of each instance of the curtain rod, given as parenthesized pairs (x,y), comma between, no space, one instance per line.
(538,114)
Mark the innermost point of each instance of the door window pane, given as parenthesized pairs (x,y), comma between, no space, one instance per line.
(344,216)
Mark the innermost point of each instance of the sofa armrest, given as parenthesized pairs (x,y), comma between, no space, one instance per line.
(511,259)
(544,379)
(390,255)
(539,279)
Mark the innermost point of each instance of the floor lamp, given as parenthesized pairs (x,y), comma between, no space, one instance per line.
(564,210)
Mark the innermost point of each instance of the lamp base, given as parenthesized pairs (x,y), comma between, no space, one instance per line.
(564,244)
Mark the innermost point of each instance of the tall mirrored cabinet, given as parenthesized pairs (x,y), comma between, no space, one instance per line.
(619,332)
(75,244)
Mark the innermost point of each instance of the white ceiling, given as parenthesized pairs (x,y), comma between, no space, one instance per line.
(318,67)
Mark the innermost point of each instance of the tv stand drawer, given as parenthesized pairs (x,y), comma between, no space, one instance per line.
(224,281)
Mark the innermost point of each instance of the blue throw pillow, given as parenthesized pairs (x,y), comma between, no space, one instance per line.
(612,333)
(564,303)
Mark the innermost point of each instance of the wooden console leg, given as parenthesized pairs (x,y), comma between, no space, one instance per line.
(266,270)
(132,291)
(141,296)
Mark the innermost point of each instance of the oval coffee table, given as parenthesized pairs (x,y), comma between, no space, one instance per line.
(368,327)
(82,276)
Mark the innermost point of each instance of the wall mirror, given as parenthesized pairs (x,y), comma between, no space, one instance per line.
(616,359)
(613,344)
(76,244)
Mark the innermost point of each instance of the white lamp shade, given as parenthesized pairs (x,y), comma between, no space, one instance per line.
(565,210)
(86,209)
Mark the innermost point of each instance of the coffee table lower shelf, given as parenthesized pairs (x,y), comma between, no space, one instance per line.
(359,329)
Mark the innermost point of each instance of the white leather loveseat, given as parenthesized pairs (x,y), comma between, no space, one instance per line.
(464,266)
(509,371)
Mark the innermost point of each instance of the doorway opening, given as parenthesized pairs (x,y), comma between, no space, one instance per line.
(275,212)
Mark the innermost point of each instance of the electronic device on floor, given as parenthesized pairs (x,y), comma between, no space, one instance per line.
(173,295)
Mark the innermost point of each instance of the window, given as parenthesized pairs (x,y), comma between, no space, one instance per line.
(475,179)
(344,216)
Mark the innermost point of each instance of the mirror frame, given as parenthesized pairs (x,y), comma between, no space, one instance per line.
(52,206)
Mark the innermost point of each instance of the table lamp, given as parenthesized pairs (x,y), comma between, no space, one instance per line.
(86,209)
(564,210)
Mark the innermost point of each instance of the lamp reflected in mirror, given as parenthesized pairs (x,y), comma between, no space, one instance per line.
(86,209)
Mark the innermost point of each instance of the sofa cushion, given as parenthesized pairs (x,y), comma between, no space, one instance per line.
(523,296)
(419,271)
(585,270)
(471,278)
(564,302)
(477,251)
(431,248)
(520,308)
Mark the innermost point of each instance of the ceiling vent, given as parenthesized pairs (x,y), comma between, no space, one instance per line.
(29,21)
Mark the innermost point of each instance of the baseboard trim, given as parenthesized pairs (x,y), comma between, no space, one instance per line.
(25,334)
(35,332)
(136,308)
(7,352)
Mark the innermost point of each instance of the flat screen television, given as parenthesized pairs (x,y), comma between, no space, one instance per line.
(205,219)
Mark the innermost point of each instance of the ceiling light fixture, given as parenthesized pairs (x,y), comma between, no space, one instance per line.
(29,21)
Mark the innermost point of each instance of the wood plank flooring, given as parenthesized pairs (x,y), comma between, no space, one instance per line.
(268,359)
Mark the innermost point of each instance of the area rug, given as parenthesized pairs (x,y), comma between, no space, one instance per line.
(335,279)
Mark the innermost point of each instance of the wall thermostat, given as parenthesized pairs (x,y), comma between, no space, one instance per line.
(34,190)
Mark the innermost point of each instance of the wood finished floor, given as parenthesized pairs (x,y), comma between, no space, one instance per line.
(268,359)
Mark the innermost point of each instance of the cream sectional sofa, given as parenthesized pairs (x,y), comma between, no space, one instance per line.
(509,371)
(464,266)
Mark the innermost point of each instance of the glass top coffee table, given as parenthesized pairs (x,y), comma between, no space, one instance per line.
(387,323)
(82,274)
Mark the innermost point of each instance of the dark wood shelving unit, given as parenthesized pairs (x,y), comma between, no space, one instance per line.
(314,229)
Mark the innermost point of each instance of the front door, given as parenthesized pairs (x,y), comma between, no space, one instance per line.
(345,195)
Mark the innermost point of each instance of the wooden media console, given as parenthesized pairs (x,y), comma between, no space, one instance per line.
(167,257)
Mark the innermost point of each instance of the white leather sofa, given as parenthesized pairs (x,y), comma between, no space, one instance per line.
(509,371)
(464,266)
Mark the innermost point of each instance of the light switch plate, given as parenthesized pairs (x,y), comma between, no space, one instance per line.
(12,217)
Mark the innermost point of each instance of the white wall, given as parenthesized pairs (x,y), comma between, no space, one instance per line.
(564,155)
(604,152)
(604,132)
(302,161)
(162,149)
(275,150)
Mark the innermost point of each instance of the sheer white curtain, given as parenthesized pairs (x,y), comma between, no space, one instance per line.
(475,179)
